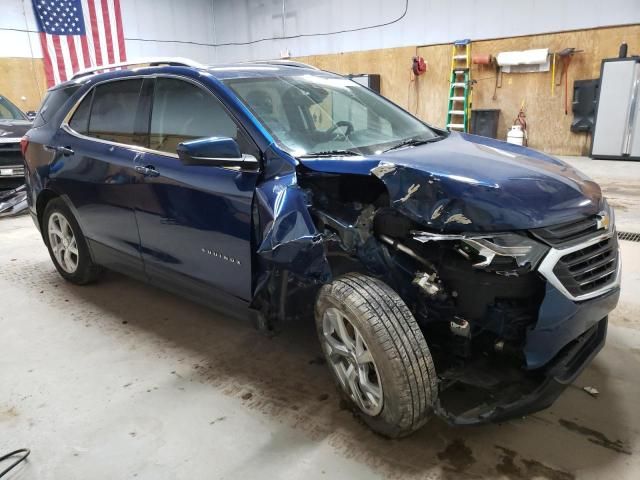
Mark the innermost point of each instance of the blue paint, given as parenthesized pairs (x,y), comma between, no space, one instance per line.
(561,320)
(492,184)
(211,147)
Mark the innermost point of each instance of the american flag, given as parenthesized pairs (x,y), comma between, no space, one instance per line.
(78,34)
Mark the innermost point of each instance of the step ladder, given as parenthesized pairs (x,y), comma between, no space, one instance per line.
(459,106)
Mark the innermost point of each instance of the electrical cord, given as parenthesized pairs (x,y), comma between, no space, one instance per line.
(24,451)
(285,37)
(251,42)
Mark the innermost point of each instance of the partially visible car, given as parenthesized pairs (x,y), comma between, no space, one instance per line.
(13,125)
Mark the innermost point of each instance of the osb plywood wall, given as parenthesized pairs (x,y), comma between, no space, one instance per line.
(23,77)
(426,96)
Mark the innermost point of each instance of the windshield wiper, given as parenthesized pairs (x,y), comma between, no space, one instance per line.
(331,153)
(412,142)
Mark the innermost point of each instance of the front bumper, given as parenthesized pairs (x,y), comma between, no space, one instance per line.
(552,381)
(558,376)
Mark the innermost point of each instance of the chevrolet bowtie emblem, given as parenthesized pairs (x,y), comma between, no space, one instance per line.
(603,220)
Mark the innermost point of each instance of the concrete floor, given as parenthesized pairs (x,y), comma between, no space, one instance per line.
(620,182)
(120,380)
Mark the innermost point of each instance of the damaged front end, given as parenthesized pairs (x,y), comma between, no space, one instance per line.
(505,332)
(290,254)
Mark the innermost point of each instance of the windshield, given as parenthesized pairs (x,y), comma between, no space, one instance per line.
(314,115)
(8,111)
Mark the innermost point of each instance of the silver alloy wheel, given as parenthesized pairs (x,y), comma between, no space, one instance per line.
(352,361)
(63,242)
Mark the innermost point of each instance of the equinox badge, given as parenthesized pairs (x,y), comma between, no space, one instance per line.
(221,256)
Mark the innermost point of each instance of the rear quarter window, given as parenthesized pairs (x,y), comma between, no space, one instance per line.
(53,101)
(80,119)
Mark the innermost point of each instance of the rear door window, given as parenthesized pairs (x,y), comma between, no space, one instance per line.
(113,112)
(183,111)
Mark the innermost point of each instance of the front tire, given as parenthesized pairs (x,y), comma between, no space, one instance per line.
(377,354)
(67,246)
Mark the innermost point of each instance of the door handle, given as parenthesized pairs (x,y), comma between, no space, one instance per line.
(148,171)
(66,151)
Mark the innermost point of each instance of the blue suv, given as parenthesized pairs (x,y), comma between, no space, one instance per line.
(447,273)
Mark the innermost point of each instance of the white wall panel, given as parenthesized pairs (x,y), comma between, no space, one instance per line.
(16,19)
(174,23)
(427,22)
(191,28)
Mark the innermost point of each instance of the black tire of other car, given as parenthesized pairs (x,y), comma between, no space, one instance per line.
(400,353)
(85,270)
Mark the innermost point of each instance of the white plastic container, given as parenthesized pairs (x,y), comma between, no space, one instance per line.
(516,135)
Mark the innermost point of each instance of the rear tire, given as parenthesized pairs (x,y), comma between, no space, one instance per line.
(373,345)
(67,246)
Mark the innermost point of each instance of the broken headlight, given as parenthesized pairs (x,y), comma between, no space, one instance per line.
(502,253)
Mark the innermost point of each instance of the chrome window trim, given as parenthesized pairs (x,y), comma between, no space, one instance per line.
(66,127)
(10,139)
(245,158)
(137,148)
(555,254)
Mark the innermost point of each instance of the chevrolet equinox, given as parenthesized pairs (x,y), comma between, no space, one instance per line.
(448,273)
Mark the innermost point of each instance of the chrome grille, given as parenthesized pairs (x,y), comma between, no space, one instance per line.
(590,268)
(568,232)
(10,155)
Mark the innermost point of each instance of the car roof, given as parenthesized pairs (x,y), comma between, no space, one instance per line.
(260,69)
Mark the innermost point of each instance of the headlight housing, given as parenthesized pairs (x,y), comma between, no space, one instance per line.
(502,253)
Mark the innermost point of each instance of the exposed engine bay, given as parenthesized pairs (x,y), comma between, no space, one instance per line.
(474,296)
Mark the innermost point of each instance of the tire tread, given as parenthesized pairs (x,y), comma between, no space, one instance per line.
(399,335)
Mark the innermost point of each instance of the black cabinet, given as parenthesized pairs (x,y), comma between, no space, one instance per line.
(485,122)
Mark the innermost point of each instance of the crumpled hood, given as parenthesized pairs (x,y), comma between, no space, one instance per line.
(468,183)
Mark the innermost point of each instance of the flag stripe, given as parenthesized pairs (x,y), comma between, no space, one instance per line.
(89,36)
(48,68)
(77,46)
(101,32)
(59,60)
(95,36)
(113,33)
(66,57)
(107,31)
(118,23)
(73,56)
(54,61)
(85,51)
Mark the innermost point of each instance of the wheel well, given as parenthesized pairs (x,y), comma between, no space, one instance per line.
(41,204)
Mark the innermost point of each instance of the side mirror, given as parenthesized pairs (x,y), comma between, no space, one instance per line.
(217,152)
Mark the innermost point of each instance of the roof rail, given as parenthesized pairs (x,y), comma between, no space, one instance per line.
(284,63)
(150,61)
